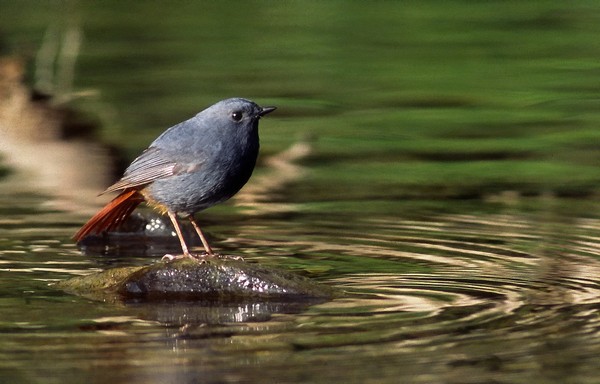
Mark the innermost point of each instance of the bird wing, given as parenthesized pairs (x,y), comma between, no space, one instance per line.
(151,165)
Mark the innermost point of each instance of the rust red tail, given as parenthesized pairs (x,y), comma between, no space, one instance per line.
(113,214)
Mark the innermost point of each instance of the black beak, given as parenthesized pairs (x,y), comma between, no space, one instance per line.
(266,110)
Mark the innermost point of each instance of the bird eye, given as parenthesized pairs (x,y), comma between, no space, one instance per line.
(237,115)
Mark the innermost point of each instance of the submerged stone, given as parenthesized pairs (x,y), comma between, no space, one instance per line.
(187,279)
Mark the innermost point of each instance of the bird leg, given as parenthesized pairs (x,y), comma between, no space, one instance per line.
(201,235)
(184,247)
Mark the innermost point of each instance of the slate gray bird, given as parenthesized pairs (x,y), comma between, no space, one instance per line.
(192,166)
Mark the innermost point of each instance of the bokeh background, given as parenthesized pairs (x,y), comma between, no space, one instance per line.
(414,99)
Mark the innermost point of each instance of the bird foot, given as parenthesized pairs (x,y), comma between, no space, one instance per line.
(169,257)
(194,256)
(200,257)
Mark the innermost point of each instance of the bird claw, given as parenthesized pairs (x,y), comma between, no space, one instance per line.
(169,257)
(200,257)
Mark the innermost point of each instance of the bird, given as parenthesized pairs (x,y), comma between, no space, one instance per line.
(191,166)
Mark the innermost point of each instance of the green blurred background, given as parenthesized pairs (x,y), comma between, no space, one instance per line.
(412,99)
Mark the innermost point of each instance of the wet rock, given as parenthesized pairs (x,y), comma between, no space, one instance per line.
(222,279)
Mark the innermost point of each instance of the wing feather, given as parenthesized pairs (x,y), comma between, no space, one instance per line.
(151,165)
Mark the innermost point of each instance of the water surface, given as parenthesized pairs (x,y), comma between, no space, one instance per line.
(479,292)
(436,161)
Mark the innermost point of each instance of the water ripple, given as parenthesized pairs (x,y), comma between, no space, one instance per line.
(459,295)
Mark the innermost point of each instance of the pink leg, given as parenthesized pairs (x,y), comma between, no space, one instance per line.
(184,247)
(201,235)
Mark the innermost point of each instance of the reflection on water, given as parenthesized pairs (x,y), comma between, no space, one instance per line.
(420,99)
(488,291)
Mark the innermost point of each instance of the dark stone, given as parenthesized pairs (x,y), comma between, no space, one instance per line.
(216,279)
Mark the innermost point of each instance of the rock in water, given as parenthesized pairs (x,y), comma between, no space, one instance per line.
(222,279)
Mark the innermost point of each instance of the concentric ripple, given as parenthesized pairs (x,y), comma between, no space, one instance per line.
(507,281)
(469,297)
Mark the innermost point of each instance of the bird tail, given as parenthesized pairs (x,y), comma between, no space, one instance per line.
(113,214)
